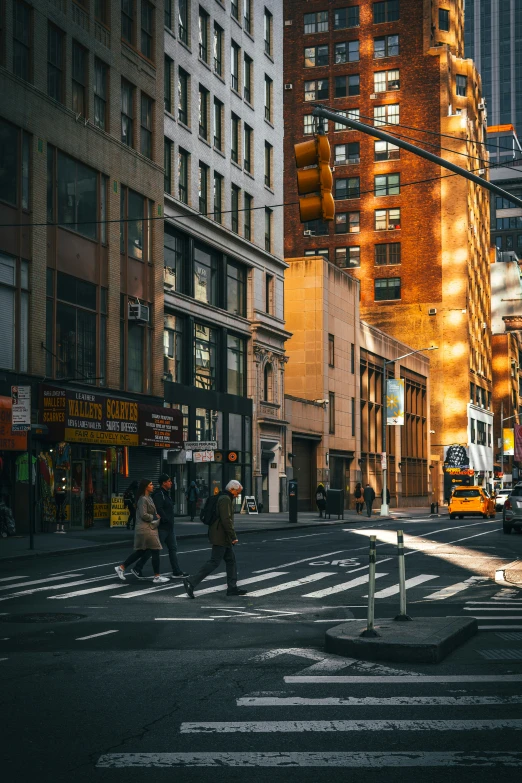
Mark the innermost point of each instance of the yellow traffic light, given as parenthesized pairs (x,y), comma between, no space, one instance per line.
(314,175)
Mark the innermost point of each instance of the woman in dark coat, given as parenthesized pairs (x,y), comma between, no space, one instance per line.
(130,501)
(358,494)
(146,537)
(320,498)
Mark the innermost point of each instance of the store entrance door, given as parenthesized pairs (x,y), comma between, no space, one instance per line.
(78,493)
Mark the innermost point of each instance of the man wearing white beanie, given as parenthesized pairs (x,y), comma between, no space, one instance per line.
(223,538)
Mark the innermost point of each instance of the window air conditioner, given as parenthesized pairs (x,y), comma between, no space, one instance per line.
(139,312)
(288,86)
(432,311)
(373,96)
(308,233)
(481,106)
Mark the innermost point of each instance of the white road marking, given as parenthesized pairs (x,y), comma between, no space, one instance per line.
(298,726)
(4,659)
(304,560)
(394,589)
(171,586)
(371,701)
(340,588)
(183,619)
(289,585)
(411,678)
(94,636)
(339,620)
(38,581)
(344,759)
(491,608)
(458,587)
(494,603)
(85,592)
(61,586)
(323,661)
(309,535)
(499,627)
(118,562)
(11,578)
(502,617)
(240,583)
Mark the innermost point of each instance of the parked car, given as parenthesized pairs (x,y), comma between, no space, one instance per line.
(502,496)
(471,501)
(512,513)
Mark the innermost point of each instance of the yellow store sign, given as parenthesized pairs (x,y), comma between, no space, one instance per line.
(119,512)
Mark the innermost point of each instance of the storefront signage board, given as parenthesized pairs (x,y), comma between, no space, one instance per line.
(119,512)
(200,445)
(203,456)
(82,417)
(9,440)
(21,408)
(251,504)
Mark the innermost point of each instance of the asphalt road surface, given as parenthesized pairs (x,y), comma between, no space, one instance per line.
(106,681)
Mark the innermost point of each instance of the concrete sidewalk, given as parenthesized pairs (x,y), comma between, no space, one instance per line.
(99,538)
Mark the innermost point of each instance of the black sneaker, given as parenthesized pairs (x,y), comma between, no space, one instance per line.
(188,588)
(237,592)
(136,573)
(181,575)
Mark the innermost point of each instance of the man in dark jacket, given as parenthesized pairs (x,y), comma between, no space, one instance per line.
(165,509)
(369,497)
(223,539)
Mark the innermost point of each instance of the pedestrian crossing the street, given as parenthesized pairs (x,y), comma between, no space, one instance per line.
(494,609)
(483,728)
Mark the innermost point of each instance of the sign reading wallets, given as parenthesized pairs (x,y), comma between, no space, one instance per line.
(81,417)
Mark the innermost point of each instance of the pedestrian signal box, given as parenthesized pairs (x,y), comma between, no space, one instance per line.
(314,179)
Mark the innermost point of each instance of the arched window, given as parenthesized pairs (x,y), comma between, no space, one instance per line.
(268,385)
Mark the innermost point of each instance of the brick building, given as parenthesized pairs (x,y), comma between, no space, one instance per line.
(81,192)
(418,242)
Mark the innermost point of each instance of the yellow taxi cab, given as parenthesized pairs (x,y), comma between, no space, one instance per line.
(471,501)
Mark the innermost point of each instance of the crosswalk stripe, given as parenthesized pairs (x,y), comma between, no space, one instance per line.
(304,560)
(171,586)
(347,759)
(85,592)
(360,580)
(458,587)
(492,609)
(410,679)
(394,589)
(371,701)
(39,581)
(289,585)
(503,617)
(298,726)
(12,578)
(500,627)
(46,588)
(241,582)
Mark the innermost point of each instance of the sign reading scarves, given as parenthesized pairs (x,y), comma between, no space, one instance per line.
(518,441)
(395,401)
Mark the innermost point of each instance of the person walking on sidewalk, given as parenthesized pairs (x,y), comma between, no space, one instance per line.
(146,536)
(165,510)
(369,497)
(320,498)
(223,539)
(192,496)
(358,495)
(129,498)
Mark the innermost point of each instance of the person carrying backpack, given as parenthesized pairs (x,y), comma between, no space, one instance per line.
(192,495)
(320,498)
(218,513)
(129,498)
(358,495)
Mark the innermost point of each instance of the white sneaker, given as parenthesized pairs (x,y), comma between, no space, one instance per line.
(159,580)
(121,573)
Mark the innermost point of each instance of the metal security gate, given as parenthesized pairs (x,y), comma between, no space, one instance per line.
(143,463)
(302,463)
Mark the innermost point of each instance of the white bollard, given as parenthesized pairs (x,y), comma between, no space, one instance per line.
(370,630)
(402,577)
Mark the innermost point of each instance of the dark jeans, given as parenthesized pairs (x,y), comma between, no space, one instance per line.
(144,554)
(192,508)
(218,554)
(358,505)
(167,537)
(369,504)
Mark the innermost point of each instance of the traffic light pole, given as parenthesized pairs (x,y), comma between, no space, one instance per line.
(320,111)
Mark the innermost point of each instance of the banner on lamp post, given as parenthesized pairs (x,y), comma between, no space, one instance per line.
(395,401)
(508,436)
(518,442)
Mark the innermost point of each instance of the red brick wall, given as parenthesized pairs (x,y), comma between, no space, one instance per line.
(420,106)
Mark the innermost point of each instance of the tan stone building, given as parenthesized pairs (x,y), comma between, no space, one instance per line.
(333,392)
(81,194)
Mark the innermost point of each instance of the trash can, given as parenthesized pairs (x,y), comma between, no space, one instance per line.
(335,502)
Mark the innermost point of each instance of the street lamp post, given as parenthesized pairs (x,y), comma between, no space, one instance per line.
(384,505)
(502,420)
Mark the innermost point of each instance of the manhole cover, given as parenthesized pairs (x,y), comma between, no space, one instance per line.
(41,617)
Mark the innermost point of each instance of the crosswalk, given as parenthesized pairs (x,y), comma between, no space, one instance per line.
(263,729)
(494,609)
